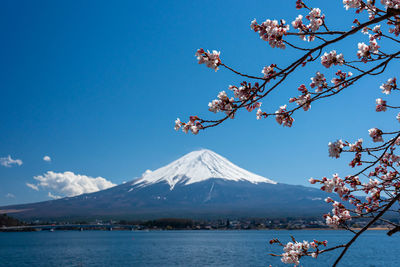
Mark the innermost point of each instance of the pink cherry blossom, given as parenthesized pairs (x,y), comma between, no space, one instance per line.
(357,146)
(391,3)
(271,31)
(282,117)
(178,124)
(318,82)
(332,58)
(377,32)
(294,251)
(269,71)
(335,148)
(352,4)
(341,79)
(364,51)
(316,21)
(211,60)
(259,114)
(298,22)
(375,134)
(380,105)
(192,125)
(339,215)
(388,86)
(396,29)
(223,103)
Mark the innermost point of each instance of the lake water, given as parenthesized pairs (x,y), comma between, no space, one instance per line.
(184,248)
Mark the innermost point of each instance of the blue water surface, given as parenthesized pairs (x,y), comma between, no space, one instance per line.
(185,248)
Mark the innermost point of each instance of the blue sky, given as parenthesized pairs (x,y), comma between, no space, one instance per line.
(97,86)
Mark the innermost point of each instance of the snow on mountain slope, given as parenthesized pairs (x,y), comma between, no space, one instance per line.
(198,166)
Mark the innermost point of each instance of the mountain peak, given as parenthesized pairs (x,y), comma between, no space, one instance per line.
(198,166)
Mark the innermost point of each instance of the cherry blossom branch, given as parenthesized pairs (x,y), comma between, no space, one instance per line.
(386,36)
(332,248)
(286,71)
(382,155)
(383,188)
(394,230)
(316,33)
(241,74)
(365,228)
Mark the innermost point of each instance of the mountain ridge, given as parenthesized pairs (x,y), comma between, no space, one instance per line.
(199,166)
(186,188)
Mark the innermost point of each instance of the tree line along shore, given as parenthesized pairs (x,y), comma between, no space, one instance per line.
(9,224)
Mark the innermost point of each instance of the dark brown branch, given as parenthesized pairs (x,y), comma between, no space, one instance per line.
(394,230)
(332,248)
(241,74)
(296,47)
(315,33)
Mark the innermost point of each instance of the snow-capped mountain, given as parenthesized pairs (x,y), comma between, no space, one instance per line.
(199,166)
(201,184)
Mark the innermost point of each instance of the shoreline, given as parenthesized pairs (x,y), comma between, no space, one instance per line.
(54,228)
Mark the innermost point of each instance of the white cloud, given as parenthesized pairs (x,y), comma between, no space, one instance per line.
(9,195)
(47,158)
(53,196)
(34,187)
(9,162)
(70,184)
